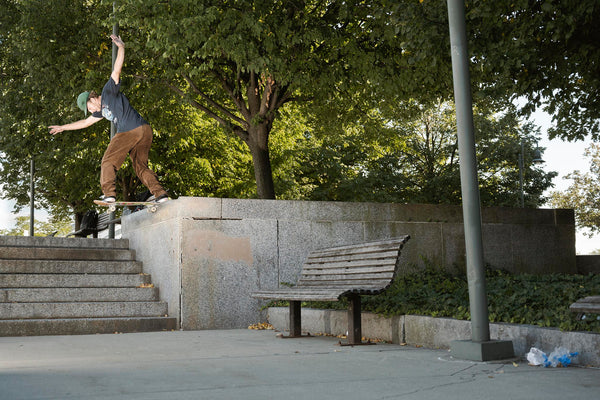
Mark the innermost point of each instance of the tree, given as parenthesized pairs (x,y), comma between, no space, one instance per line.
(545,51)
(410,156)
(196,158)
(251,64)
(37,89)
(583,195)
(50,52)
(241,61)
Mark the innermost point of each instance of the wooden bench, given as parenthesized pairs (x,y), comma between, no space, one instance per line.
(92,226)
(344,271)
(587,305)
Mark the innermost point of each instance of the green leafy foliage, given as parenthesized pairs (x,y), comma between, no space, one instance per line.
(48,56)
(583,195)
(546,51)
(541,300)
(54,226)
(239,62)
(336,99)
(408,153)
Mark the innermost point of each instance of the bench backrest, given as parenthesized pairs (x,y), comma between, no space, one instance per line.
(371,266)
(103,221)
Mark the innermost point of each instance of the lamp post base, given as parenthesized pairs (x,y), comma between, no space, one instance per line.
(482,351)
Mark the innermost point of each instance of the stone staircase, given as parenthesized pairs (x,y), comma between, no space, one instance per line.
(64,286)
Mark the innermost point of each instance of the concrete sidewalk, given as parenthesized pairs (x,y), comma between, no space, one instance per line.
(246,364)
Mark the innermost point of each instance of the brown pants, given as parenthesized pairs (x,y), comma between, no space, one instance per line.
(137,144)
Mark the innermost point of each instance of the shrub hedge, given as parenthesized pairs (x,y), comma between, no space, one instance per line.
(541,300)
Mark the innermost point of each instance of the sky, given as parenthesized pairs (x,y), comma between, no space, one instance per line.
(562,157)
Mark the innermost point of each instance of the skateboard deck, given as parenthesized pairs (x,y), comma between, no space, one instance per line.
(151,206)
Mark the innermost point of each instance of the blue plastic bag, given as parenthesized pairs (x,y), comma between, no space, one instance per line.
(560,357)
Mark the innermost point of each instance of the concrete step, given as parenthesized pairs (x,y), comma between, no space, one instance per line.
(72,280)
(82,310)
(35,241)
(62,253)
(69,267)
(66,286)
(84,326)
(53,295)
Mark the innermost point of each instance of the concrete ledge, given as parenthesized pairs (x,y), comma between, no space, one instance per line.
(438,333)
(209,255)
(588,264)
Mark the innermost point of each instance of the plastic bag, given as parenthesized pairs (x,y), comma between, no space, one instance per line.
(536,357)
(560,357)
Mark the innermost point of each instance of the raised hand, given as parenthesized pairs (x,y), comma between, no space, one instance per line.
(117,40)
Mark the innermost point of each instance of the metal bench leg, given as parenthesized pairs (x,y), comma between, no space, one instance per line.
(295,319)
(354,325)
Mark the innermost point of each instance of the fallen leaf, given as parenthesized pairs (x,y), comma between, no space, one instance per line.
(261,326)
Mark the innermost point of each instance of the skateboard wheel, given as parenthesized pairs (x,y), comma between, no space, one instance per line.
(152,209)
(112,208)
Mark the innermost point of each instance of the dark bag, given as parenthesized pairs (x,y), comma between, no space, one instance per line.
(89,220)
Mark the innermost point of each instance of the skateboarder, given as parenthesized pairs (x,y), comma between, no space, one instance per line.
(133,137)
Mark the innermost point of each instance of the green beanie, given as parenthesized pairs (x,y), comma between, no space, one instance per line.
(82,101)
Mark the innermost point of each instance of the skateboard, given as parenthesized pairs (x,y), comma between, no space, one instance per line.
(151,206)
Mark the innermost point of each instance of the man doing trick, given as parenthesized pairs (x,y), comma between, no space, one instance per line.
(133,137)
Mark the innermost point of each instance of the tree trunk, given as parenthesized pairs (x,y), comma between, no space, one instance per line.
(78,218)
(258,142)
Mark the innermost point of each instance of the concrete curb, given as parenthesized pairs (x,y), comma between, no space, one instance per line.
(53,242)
(85,326)
(437,333)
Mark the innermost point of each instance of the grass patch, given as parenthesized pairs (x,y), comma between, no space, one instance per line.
(541,300)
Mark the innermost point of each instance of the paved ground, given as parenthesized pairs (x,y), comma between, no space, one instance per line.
(246,364)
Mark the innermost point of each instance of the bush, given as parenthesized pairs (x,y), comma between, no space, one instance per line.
(541,300)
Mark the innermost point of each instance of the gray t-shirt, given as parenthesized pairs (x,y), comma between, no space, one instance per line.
(116,108)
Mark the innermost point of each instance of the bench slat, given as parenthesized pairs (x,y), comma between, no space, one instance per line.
(313,294)
(342,280)
(378,245)
(319,290)
(359,284)
(590,299)
(312,258)
(585,307)
(590,304)
(387,252)
(388,262)
(350,268)
(355,273)
(308,295)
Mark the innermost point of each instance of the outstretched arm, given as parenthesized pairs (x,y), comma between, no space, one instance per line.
(116,73)
(82,123)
